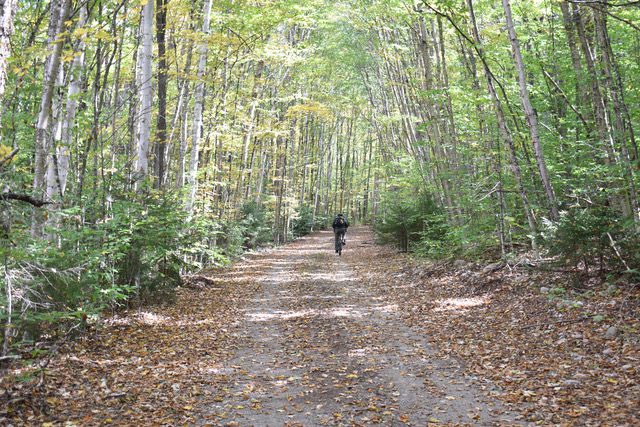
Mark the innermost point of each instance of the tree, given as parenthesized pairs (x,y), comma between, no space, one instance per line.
(196,133)
(145,91)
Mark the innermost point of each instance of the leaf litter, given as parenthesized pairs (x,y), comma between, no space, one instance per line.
(297,336)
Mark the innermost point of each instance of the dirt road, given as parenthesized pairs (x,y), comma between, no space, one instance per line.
(318,346)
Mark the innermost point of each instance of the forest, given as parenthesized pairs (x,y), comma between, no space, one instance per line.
(142,141)
(145,139)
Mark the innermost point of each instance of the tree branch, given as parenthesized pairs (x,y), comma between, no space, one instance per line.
(478,51)
(23,198)
(616,17)
(605,3)
(566,100)
(9,157)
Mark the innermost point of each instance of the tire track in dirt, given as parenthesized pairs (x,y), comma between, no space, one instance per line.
(317,346)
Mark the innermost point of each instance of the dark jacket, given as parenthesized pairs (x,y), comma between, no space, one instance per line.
(336,223)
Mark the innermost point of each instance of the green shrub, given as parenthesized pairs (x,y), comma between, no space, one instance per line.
(412,222)
(137,253)
(592,237)
(304,222)
(233,238)
(436,239)
(256,229)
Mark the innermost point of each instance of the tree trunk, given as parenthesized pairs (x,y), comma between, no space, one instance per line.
(192,177)
(60,17)
(248,127)
(145,92)
(161,123)
(7,12)
(532,120)
(502,124)
(582,94)
(616,92)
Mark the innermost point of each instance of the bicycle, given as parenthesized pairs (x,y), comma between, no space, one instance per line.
(340,242)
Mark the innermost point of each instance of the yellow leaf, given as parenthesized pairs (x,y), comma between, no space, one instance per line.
(4,152)
(188,407)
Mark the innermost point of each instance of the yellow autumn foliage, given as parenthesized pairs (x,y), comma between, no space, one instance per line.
(4,152)
(311,107)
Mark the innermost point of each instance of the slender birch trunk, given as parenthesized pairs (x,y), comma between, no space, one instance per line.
(502,124)
(180,117)
(622,131)
(60,17)
(59,168)
(532,120)
(248,127)
(192,177)
(145,92)
(7,13)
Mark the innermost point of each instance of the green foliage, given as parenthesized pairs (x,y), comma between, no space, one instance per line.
(437,239)
(305,222)
(591,236)
(256,227)
(414,223)
(251,230)
(144,253)
(233,238)
(135,255)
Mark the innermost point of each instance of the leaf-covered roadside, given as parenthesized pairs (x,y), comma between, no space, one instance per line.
(560,355)
(143,367)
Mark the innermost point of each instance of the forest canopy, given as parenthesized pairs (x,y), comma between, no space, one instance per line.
(143,139)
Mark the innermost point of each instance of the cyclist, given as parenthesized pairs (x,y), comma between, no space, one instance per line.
(340,225)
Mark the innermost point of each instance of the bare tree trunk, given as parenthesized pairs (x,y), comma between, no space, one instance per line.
(7,12)
(582,93)
(180,117)
(8,328)
(145,92)
(621,131)
(248,127)
(60,17)
(600,109)
(61,154)
(532,120)
(161,123)
(502,124)
(305,142)
(192,178)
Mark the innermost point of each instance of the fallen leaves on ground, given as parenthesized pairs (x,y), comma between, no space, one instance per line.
(558,351)
(558,357)
(141,367)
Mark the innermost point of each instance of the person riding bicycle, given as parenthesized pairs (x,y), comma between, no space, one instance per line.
(340,225)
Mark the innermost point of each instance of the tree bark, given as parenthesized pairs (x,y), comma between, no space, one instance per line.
(192,179)
(58,169)
(60,17)
(616,92)
(502,124)
(145,92)
(161,121)
(7,13)
(532,120)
